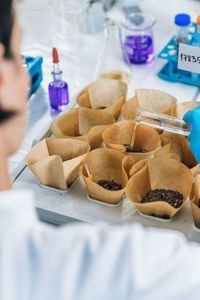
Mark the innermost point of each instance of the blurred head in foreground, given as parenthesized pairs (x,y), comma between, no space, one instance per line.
(13,80)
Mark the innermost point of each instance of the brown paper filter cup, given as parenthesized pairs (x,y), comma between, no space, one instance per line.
(179,144)
(106,94)
(83,98)
(115,108)
(165,152)
(102,93)
(137,136)
(150,99)
(67,125)
(183,107)
(194,200)
(172,140)
(158,173)
(55,162)
(195,170)
(106,164)
(89,118)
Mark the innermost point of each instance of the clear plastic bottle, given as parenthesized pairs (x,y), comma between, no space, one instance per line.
(111,63)
(182,21)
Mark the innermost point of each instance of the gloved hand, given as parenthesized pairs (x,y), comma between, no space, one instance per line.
(192,117)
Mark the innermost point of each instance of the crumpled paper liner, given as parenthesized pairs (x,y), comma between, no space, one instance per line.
(179,144)
(181,108)
(194,199)
(158,173)
(106,164)
(83,124)
(165,152)
(195,170)
(137,136)
(150,99)
(102,93)
(89,118)
(108,94)
(55,162)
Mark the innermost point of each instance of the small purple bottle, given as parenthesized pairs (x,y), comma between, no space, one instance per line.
(58,89)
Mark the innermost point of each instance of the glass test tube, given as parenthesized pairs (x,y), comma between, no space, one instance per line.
(162,121)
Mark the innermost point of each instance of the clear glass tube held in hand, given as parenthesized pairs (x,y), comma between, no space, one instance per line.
(161,121)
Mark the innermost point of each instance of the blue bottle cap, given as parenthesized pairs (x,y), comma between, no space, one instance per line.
(182,20)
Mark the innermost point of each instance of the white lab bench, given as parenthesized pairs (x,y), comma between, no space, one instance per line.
(78,67)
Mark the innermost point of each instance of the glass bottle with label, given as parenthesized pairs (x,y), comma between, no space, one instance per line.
(182,21)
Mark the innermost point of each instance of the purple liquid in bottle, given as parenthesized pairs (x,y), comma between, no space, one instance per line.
(58,89)
(58,95)
(138,49)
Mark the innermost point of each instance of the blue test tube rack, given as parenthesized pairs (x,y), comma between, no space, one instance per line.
(170,71)
(34,67)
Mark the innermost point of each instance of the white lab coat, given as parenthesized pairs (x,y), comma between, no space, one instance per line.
(85,262)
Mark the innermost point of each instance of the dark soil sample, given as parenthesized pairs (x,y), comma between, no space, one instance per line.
(110,185)
(136,150)
(175,199)
(199,203)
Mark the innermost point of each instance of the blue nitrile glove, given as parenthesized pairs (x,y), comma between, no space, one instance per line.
(192,117)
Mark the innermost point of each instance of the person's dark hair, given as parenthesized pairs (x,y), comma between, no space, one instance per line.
(6,24)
